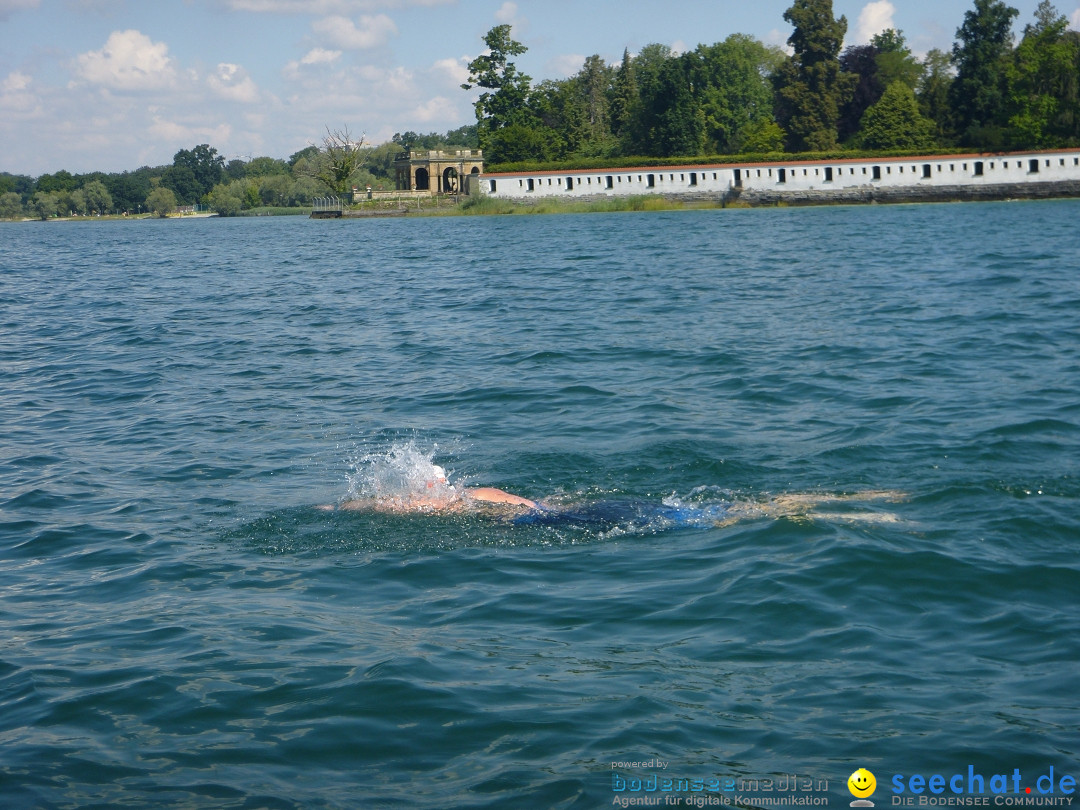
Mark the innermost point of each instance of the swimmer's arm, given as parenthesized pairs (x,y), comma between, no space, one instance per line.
(492,495)
(482,494)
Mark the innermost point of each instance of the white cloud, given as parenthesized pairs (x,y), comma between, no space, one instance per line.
(313,60)
(433,109)
(9,6)
(508,14)
(15,82)
(231,82)
(873,19)
(16,95)
(456,70)
(177,133)
(129,61)
(342,32)
(564,65)
(134,100)
(394,81)
(1075,20)
(379,99)
(319,56)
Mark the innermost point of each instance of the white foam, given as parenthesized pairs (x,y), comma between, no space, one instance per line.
(401,472)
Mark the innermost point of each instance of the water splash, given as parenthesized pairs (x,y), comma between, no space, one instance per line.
(402,472)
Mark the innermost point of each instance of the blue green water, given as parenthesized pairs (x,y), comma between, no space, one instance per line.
(180,627)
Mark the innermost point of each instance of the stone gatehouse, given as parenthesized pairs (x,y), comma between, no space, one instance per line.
(439,172)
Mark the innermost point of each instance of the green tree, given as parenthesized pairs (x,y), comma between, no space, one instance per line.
(275,189)
(62,180)
(464,136)
(43,205)
(861,62)
(308,152)
(77,202)
(895,61)
(129,189)
(235,169)
(410,140)
(648,66)
(263,166)
(678,122)
(250,197)
(161,201)
(895,122)
(183,183)
(1043,83)
(380,161)
(305,189)
(503,101)
(625,101)
(97,197)
(761,138)
(558,130)
(227,198)
(810,87)
(10,205)
(66,202)
(206,165)
(517,143)
(981,55)
(573,115)
(933,93)
(21,184)
(593,87)
(731,84)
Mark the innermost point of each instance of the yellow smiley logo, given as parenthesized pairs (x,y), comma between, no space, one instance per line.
(862,783)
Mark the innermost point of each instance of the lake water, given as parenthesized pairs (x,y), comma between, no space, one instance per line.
(181,627)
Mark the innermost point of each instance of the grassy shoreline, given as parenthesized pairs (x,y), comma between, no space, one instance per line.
(486,206)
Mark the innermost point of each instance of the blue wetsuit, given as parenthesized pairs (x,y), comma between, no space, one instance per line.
(625,513)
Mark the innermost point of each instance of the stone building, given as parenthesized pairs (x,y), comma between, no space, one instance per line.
(439,172)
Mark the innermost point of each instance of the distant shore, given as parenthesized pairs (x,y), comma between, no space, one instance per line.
(487,206)
(255,212)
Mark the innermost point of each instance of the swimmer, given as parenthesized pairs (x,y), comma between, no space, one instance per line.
(439,496)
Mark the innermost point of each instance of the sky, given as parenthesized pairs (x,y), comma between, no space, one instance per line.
(112,85)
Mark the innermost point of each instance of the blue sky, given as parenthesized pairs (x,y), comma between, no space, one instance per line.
(116,84)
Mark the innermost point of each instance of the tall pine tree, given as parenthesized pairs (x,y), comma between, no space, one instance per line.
(810,87)
(981,55)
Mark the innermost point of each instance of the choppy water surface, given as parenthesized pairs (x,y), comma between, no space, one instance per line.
(181,627)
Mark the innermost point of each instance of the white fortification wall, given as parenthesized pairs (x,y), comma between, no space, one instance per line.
(921,177)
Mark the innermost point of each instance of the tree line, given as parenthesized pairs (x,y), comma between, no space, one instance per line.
(737,97)
(202,176)
(740,96)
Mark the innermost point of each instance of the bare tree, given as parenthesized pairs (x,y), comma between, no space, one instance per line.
(339,160)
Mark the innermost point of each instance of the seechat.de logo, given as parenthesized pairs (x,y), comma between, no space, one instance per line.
(862,785)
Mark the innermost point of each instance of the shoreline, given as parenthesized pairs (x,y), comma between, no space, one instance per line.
(646,203)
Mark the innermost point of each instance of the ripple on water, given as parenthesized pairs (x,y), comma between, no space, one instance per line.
(182,626)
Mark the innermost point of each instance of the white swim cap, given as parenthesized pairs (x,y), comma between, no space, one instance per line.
(440,473)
